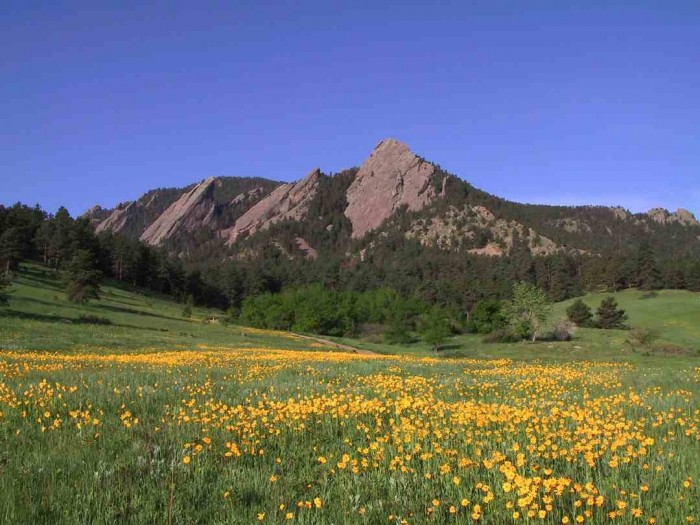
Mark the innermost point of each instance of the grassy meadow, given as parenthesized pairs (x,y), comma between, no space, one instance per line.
(160,419)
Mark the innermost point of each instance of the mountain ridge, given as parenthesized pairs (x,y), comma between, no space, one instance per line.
(393,185)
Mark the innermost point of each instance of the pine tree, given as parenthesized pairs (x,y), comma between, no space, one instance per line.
(62,243)
(609,315)
(10,250)
(579,313)
(648,276)
(692,279)
(187,309)
(82,277)
(4,295)
(43,239)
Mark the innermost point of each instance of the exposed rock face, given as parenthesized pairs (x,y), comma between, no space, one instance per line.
(117,220)
(457,228)
(195,209)
(309,252)
(686,218)
(391,177)
(287,202)
(681,216)
(96,215)
(620,212)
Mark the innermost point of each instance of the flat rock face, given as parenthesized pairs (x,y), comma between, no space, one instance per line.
(391,177)
(287,202)
(191,211)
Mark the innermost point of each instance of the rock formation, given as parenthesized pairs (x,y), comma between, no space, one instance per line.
(681,216)
(287,202)
(195,209)
(391,177)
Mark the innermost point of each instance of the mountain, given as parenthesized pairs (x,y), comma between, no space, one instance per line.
(394,194)
(168,216)
(390,178)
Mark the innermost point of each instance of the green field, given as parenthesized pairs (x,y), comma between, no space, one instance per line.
(40,318)
(161,419)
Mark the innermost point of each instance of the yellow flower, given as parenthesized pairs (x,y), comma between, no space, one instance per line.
(186,460)
(261,516)
(318,503)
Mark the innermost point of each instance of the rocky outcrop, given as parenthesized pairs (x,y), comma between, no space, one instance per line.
(287,202)
(118,220)
(479,231)
(391,177)
(309,251)
(680,216)
(193,210)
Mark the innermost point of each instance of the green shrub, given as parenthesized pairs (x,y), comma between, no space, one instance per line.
(642,336)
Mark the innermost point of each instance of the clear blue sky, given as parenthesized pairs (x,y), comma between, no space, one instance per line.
(541,101)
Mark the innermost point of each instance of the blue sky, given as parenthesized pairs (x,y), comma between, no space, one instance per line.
(542,101)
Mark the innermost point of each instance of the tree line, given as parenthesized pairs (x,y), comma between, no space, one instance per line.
(398,284)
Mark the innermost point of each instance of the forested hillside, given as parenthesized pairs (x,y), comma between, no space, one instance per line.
(396,231)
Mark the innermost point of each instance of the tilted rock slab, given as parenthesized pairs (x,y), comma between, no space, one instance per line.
(391,177)
(193,210)
(287,202)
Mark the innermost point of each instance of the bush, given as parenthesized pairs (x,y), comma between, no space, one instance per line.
(93,319)
(486,317)
(580,313)
(642,336)
(563,331)
(502,335)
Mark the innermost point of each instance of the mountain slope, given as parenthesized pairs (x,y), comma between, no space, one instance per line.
(394,192)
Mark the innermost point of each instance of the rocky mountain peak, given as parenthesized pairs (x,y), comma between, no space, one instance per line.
(391,177)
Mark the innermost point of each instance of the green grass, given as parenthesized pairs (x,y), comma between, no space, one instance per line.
(103,424)
(41,318)
(95,441)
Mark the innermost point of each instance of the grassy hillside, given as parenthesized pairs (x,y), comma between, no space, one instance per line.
(675,314)
(40,318)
